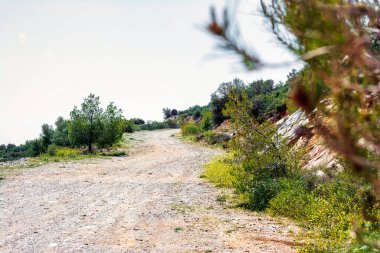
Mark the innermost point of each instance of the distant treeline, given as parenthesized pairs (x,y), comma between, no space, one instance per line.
(268,100)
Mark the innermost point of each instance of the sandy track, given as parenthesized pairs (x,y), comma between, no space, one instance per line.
(151,201)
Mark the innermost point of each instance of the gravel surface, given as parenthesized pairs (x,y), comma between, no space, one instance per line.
(150,201)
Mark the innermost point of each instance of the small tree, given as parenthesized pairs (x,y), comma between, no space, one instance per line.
(91,125)
(113,126)
(86,123)
(35,147)
(197,114)
(206,122)
(137,121)
(219,99)
(61,133)
(46,136)
(167,113)
(174,112)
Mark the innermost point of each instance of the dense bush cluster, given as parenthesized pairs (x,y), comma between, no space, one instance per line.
(11,152)
(267,99)
(194,112)
(266,174)
(132,126)
(338,91)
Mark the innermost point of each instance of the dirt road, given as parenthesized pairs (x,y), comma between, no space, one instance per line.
(150,201)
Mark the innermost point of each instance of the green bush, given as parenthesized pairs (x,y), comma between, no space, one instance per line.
(52,149)
(61,133)
(213,138)
(171,123)
(35,147)
(220,172)
(292,201)
(327,211)
(137,121)
(11,151)
(189,128)
(130,126)
(70,153)
(194,111)
(197,114)
(156,125)
(262,191)
(206,121)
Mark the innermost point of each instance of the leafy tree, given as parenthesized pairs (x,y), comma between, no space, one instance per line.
(130,126)
(220,97)
(35,147)
(197,115)
(137,121)
(113,126)
(192,110)
(167,113)
(61,133)
(206,122)
(91,125)
(260,87)
(86,126)
(174,112)
(11,152)
(47,136)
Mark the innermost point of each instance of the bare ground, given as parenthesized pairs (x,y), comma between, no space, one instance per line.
(150,201)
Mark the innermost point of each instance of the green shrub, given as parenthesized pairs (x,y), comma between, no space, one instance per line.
(262,191)
(61,133)
(155,125)
(327,211)
(213,138)
(189,128)
(52,149)
(130,126)
(35,147)
(171,123)
(70,153)
(137,121)
(292,201)
(11,151)
(206,122)
(197,114)
(220,172)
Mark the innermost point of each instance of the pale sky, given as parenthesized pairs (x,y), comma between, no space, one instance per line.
(141,54)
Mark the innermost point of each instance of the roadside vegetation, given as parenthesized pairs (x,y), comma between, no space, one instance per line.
(338,90)
(91,131)
(266,171)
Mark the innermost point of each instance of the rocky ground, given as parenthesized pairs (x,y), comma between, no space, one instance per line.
(151,201)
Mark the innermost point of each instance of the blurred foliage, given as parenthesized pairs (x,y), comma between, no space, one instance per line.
(338,41)
(156,125)
(339,91)
(189,128)
(11,152)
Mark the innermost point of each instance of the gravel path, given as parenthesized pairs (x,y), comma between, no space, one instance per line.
(150,201)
